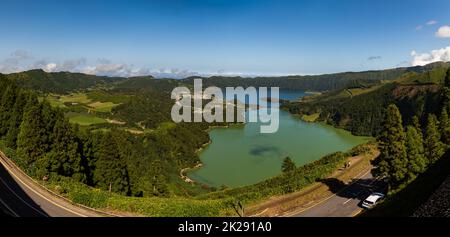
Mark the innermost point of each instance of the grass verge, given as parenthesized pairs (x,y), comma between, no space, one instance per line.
(317,191)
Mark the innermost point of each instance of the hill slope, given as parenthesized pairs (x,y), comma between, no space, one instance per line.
(59,82)
(325,82)
(361,110)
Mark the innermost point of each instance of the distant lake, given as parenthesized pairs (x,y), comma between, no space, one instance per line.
(241,156)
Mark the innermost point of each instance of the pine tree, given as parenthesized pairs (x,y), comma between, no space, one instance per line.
(392,161)
(434,148)
(16,119)
(89,149)
(417,126)
(447,79)
(288,165)
(446,98)
(49,117)
(417,162)
(6,106)
(159,181)
(64,158)
(30,141)
(444,126)
(111,169)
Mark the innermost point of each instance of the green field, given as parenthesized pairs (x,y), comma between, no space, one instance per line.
(55,102)
(102,106)
(85,120)
(93,101)
(81,98)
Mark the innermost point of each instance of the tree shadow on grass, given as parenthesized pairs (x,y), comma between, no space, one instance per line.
(357,189)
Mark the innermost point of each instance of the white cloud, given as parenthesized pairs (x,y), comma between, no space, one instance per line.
(428,23)
(443,32)
(105,67)
(431,57)
(21,60)
(51,67)
(432,22)
(173,73)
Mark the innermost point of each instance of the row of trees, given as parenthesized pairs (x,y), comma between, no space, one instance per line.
(46,143)
(408,151)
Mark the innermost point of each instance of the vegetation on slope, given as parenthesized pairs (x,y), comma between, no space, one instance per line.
(416,162)
(59,82)
(362,114)
(328,82)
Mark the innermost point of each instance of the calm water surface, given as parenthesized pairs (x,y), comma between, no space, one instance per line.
(242,155)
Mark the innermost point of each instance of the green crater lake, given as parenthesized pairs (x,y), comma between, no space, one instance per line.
(241,156)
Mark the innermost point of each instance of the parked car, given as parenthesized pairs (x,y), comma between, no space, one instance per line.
(372,200)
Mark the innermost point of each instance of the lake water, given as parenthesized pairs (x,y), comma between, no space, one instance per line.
(241,156)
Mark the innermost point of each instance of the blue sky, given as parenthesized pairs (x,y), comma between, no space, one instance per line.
(256,37)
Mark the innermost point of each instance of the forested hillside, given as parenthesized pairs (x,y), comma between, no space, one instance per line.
(361,110)
(325,82)
(59,82)
(64,82)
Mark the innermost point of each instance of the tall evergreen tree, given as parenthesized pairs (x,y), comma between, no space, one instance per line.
(50,117)
(447,79)
(434,148)
(288,165)
(6,106)
(159,181)
(89,149)
(30,141)
(64,157)
(16,119)
(444,126)
(110,168)
(417,162)
(392,161)
(417,126)
(446,98)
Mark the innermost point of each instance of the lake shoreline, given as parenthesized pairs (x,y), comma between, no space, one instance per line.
(237,151)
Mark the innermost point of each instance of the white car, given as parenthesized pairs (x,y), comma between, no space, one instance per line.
(372,199)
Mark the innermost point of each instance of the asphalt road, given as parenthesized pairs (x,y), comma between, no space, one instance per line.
(346,202)
(20,197)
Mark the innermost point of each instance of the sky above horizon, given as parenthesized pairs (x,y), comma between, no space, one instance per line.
(206,37)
